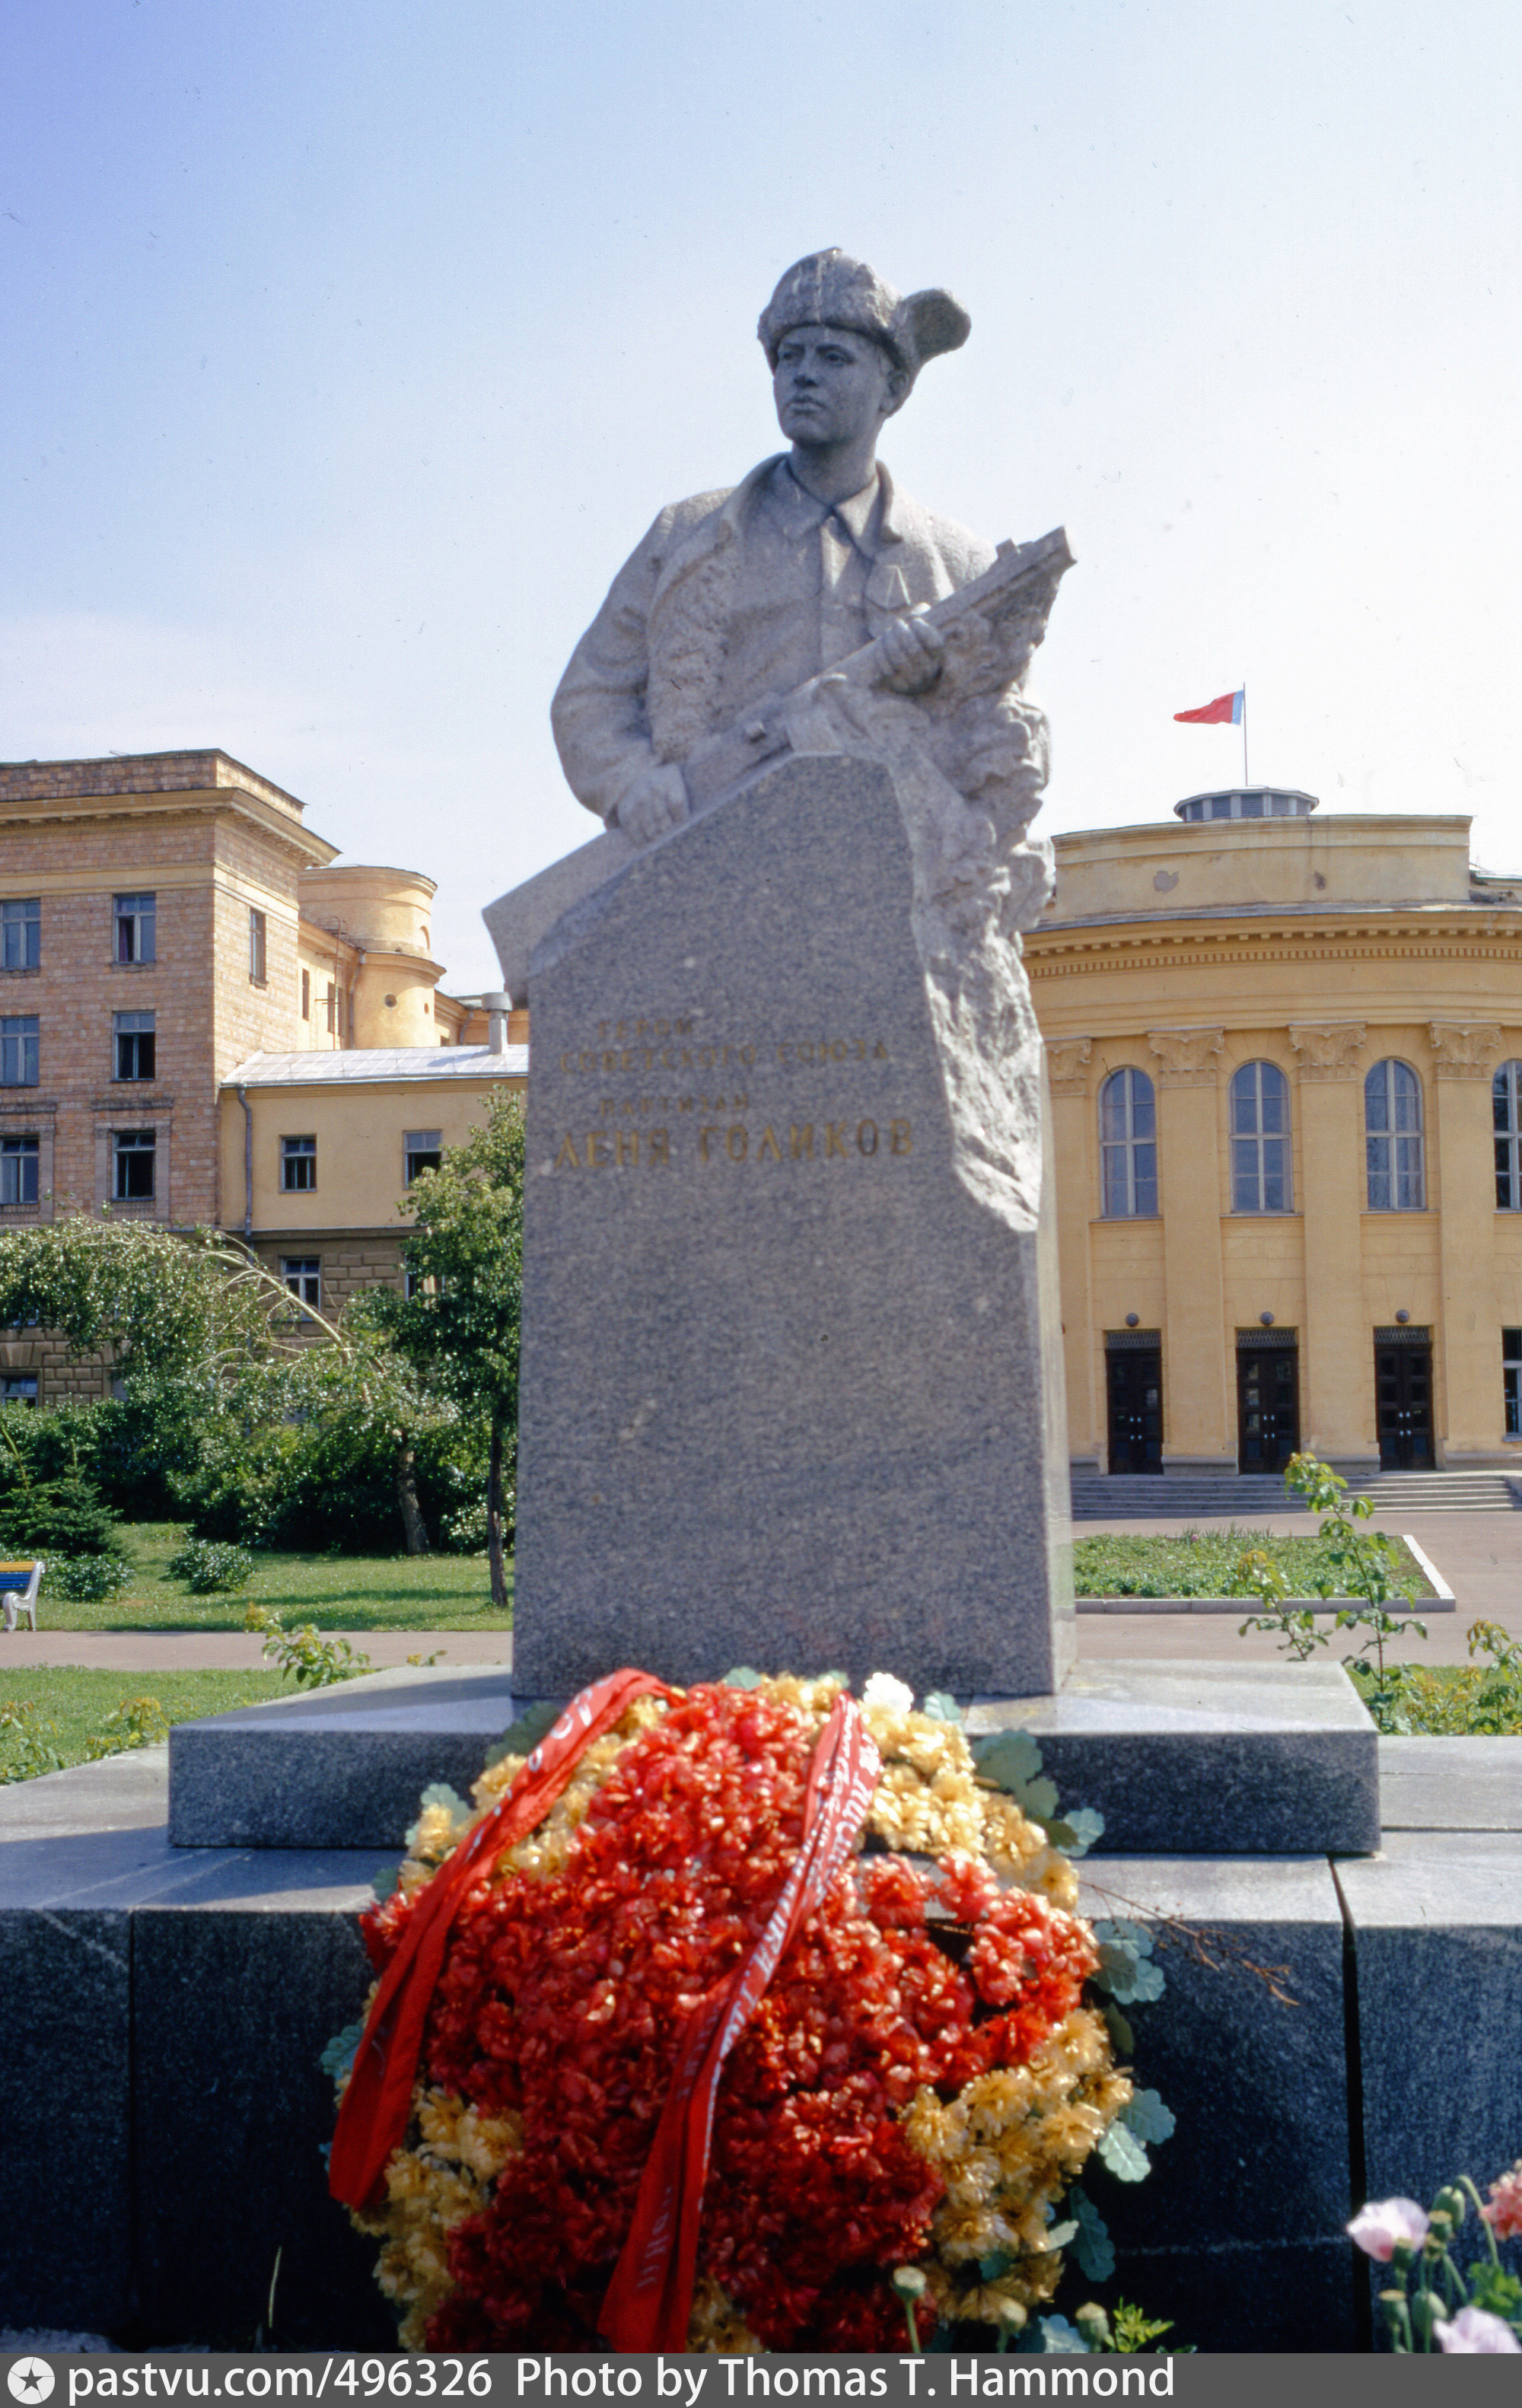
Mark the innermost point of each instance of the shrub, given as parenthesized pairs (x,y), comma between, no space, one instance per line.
(210,1568)
(57,1517)
(85,1579)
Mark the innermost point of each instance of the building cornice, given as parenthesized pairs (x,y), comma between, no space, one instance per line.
(1224,943)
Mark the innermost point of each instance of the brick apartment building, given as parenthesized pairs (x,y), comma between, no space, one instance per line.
(180,955)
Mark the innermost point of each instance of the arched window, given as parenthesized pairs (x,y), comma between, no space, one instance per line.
(1506,1111)
(1261,1140)
(1392,1120)
(1128,1146)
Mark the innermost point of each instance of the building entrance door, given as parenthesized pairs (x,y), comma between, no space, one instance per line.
(1134,1379)
(1268,1404)
(1403,1398)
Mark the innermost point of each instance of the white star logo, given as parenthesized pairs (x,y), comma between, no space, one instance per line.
(31,2379)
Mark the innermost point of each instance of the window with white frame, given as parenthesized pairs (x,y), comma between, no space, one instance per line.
(1260,1175)
(136,1046)
(298,1164)
(303,1276)
(21,1159)
(1392,1121)
(257,931)
(136,919)
(1506,1115)
(18,1051)
(134,1162)
(1511,1380)
(1128,1146)
(21,934)
(423,1151)
(17,1388)
(306,994)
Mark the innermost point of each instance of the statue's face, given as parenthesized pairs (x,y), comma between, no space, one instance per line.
(833,386)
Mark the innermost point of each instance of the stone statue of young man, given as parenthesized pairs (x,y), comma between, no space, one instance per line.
(733,598)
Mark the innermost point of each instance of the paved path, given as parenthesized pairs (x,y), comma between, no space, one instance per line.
(1479,1556)
(233,1651)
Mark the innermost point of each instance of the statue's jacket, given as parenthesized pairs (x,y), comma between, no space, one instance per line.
(646,681)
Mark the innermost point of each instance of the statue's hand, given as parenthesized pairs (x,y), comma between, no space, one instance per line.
(654,804)
(911,656)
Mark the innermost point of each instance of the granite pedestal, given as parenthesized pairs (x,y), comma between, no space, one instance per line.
(161,2125)
(783,1399)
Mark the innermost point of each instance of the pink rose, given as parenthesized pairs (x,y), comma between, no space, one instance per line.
(1382,2226)
(1504,2213)
(1474,2330)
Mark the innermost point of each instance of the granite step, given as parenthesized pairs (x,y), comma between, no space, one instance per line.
(1244,1497)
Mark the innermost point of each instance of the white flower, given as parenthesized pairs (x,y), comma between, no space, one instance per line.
(884,1690)
(1474,2330)
(1386,2225)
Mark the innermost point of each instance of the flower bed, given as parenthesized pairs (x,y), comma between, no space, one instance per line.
(909,2073)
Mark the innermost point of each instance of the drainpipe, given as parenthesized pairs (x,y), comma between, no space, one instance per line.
(248,1165)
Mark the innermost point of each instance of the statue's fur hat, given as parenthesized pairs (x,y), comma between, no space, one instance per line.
(830,289)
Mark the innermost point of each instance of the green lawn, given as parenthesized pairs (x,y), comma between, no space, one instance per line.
(1201,1563)
(343,1592)
(1441,1701)
(77,1702)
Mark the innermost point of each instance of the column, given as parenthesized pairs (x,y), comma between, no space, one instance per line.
(1462,1183)
(1198,1416)
(1071,1173)
(1337,1345)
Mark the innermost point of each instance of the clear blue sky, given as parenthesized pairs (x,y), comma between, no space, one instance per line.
(350,348)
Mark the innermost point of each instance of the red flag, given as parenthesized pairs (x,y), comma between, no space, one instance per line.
(1226,710)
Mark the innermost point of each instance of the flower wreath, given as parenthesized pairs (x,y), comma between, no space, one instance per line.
(777,1996)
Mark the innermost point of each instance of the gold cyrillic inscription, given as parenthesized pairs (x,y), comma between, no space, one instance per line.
(769,1149)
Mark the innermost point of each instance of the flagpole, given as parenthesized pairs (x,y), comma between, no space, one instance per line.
(1245,731)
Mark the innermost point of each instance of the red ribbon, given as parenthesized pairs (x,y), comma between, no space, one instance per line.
(373,2118)
(649,2300)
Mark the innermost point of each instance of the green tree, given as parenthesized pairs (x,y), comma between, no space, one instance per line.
(459,1328)
(153,1302)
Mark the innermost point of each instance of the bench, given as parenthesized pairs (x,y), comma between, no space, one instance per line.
(19,1583)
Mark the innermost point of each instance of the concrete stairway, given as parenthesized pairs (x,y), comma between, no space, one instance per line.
(1247,1496)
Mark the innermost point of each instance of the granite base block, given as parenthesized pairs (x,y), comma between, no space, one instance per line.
(1207,1759)
(161,2106)
(343,1768)
(1246,2046)
(1451,1784)
(1437,1926)
(236,1995)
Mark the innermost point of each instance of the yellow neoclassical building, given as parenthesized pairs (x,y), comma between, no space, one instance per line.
(1286,1053)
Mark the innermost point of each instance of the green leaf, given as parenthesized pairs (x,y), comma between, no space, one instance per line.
(1009,1758)
(1123,1933)
(1053,2337)
(1134,1985)
(1120,2030)
(439,1793)
(1059,2235)
(1087,1825)
(940,1707)
(385,1881)
(996,2264)
(745,1676)
(1145,2115)
(338,2056)
(1093,2252)
(1123,2152)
